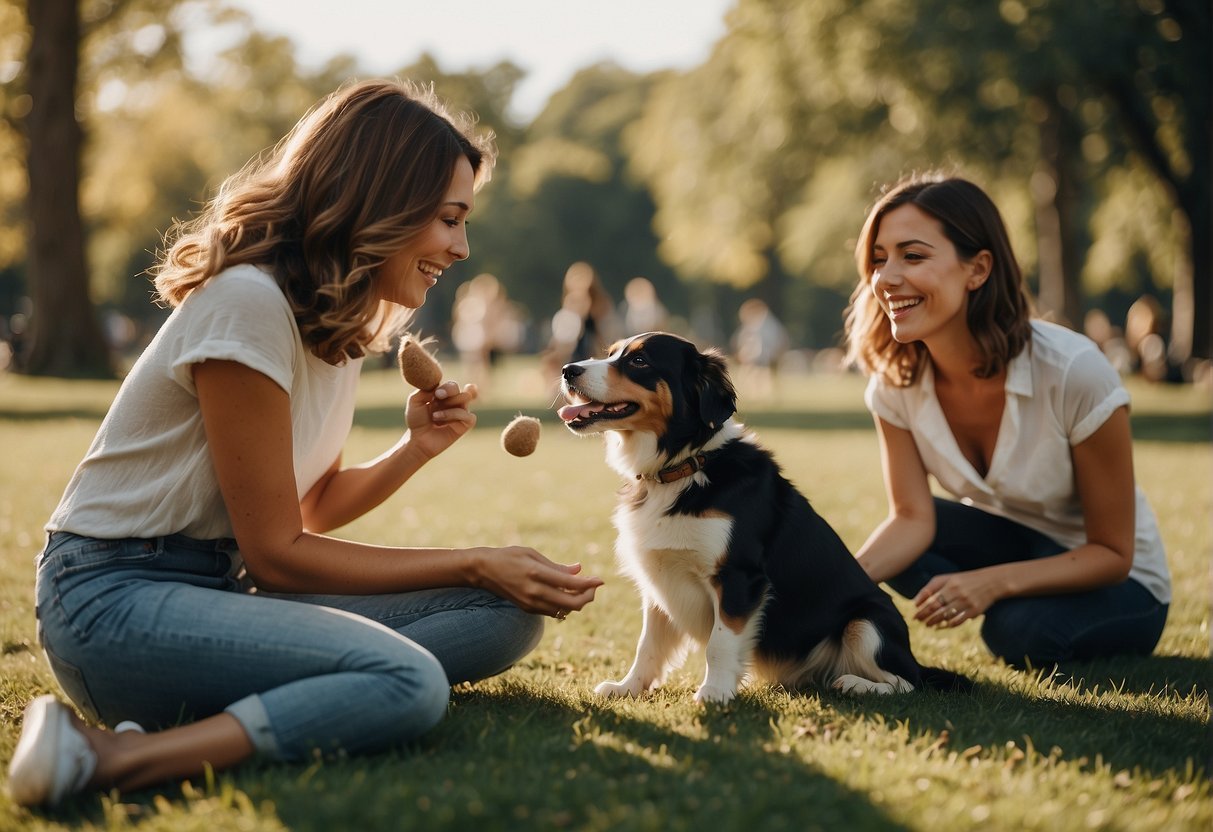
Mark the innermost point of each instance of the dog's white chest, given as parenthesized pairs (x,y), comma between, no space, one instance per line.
(672,559)
(648,527)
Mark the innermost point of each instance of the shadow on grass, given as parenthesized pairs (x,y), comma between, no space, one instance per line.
(1143,676)
(1172,427)
(1153,427)
(508,758)
(1123,734)
(498,417)
(521,761)
(606,768)
(50,413)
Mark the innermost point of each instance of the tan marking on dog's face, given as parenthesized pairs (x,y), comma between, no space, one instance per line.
(656,406)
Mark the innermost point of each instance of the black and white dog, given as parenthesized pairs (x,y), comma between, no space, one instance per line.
(724,550)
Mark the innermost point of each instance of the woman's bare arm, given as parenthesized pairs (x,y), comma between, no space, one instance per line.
(248,428)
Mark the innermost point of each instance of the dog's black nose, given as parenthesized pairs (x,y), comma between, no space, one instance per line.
(571,371)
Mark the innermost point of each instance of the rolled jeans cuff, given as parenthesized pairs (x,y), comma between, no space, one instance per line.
(251,714)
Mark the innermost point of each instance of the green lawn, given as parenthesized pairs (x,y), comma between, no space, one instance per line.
(1110,745)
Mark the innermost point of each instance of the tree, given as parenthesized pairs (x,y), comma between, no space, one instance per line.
(718,147)
(1060,63)
(760,158)
(76,47)
(1162,86)
(564,194)
(79,50)
(65,337)
(166,139)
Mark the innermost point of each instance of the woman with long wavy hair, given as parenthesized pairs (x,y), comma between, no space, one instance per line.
(1046,537)
(188,591)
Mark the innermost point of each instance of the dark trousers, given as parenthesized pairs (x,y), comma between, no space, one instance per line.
(1045,629)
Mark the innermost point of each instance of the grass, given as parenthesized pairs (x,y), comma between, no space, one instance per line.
(1116,744)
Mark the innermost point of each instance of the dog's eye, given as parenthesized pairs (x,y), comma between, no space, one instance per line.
(638,360)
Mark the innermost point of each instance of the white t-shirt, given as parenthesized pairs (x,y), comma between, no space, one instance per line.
(148,472)
(1059,391)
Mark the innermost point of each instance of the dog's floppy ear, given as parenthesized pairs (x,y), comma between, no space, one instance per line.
(717,398)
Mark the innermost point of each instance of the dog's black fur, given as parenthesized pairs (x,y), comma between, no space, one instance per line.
(784,576)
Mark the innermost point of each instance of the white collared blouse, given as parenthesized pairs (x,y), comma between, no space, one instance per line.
(1059,391)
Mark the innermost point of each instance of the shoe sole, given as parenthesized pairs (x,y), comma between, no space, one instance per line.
(31,775)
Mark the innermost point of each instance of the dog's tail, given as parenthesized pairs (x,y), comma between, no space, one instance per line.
(936,678)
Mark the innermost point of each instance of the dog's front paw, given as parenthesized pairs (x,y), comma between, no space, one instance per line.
(715,695)
(617,690)
(858,686)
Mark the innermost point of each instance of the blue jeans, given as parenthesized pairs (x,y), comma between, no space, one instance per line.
(165,631)
(1044,630)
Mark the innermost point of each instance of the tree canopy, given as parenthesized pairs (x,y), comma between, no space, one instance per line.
(1088,122)
(763,159)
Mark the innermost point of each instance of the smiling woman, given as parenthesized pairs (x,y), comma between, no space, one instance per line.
(343,230)
(1048,541)
(408,275)
(188,575)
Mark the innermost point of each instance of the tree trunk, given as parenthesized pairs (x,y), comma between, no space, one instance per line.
(1192,316)
(1202,278)
(65,338)
(1073,236)
(1052,186)
(1191,305)
(773,285)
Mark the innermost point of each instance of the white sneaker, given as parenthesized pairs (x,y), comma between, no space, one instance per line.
(53,759)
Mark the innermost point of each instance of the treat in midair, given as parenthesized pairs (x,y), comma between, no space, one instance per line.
(521,436)
(418,367)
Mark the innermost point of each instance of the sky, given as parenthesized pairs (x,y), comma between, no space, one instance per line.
(550,39)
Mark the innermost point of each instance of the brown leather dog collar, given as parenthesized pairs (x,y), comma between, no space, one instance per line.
(673,473)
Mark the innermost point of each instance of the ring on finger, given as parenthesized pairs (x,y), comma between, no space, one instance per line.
(561,615)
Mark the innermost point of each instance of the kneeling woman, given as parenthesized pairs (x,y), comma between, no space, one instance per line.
(1047,540)
(218,467)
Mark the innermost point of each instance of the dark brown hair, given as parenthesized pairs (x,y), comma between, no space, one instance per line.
(999,311)
(360,176)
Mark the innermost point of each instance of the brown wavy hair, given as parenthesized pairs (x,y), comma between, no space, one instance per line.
(999,311)
(360,176)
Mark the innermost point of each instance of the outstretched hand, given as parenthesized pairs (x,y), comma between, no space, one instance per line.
(534,583)
(436,418)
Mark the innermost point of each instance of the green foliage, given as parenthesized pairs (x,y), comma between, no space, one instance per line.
(749,174)
(1128,81)
(1110,745)
(766,156)
(566,195)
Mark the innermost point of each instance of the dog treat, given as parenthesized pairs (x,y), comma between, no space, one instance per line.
(521,436)
(418,367)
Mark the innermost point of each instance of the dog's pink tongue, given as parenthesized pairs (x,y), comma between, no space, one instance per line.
(575,411)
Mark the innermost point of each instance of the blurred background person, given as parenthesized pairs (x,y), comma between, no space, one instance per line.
(586,323)
(486,325)
(642,310)
(1097,326)
(758,344)
(1145,328)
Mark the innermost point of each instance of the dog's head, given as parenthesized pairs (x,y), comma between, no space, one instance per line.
(655,383)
